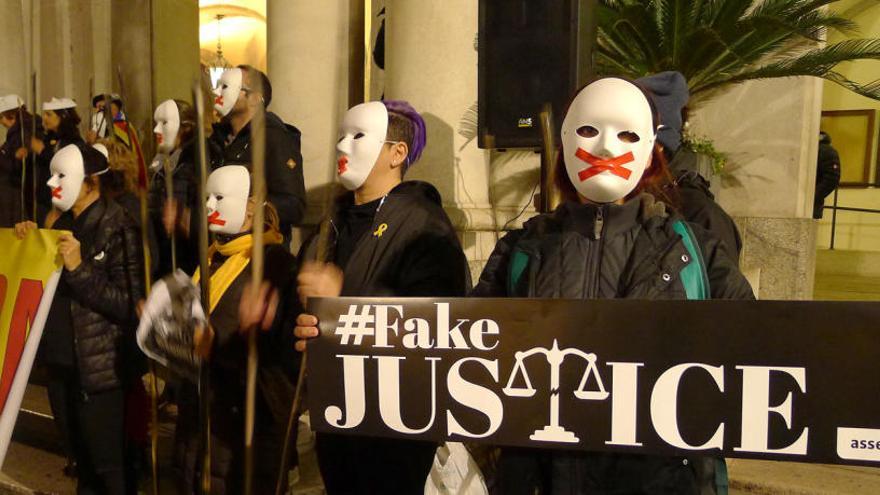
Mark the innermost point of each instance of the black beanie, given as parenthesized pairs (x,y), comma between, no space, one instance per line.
(669,90)
(94,162)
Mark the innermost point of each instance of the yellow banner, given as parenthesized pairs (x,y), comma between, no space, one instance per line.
(29,272)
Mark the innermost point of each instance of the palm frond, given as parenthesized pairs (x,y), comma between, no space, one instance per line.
(818,62)
(715,43)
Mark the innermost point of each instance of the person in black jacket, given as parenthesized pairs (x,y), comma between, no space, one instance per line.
(61,124)
(91,318)
(611,238)
(224,345)
(827,173)
(389,238)
(15,117)
(696,203)
(177,148)
(237,99)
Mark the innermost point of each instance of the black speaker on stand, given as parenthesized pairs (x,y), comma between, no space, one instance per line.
(531,52)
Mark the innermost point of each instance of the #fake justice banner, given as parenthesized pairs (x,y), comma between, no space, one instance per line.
(793,381)
(29,273)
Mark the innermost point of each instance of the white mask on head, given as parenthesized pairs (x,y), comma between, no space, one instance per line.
(167,119)
(362,135)
(228,189)
(227,90)
(68,173)
(607,139)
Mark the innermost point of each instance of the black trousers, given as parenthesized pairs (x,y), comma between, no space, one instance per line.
(92,427)
(365,465)
(529,471)
(227,447)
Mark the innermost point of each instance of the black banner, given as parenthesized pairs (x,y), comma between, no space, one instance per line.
(795,381)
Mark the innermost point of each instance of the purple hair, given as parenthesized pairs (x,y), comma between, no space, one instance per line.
(405,110)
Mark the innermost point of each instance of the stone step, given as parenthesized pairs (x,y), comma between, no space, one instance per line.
(790,478)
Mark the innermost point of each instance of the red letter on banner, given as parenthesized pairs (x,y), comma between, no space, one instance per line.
(23,314)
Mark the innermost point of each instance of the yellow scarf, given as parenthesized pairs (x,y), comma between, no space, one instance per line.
(238,256)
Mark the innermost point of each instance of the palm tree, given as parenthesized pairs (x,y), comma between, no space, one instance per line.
(717,43)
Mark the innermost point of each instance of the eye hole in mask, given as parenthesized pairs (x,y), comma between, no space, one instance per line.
(60,176)
(219,198)
(628,137)
(359,135)
(587,131)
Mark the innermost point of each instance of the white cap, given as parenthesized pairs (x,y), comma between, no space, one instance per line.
(10,102)
(103,149)
(58,104)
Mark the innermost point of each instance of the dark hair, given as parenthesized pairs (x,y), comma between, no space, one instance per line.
(407,125)
(657,179)
(68,129)
(13,114)
(252,71)
(188,119)
(113,97)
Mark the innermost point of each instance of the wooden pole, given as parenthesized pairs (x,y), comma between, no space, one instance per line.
(204,285)
(258,181)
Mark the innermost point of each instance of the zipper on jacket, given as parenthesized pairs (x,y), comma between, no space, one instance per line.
(598,236)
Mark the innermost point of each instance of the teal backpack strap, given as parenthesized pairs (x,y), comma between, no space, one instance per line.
(694,276)
(696,284)
(519,260)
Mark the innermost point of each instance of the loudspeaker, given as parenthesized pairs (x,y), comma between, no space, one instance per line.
(530,52)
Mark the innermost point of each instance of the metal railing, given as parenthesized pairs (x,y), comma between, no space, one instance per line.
(834,209)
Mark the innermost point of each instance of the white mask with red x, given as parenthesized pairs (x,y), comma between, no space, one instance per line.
(68,173)
(227,90)
(607,139)
(228,189)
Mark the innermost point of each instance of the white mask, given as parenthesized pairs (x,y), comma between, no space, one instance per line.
(227,90)
(228,189)
(68,172)
(362,135)
(607,138)
(167,120)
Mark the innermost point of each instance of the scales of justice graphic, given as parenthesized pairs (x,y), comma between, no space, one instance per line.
(555,357)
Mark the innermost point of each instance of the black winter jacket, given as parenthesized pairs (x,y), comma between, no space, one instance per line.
(827,175)
(185,189)
(411,249)
(11,176)
(284,175)
(698,205)
(276,374)
(104,291)
(604,252)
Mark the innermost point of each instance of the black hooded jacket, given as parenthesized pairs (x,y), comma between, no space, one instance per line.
(410,249)
(284,175)
(697,203)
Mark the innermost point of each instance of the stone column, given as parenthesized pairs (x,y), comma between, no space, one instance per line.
(132,54)
(431,61)
(307,52)
(13,79)
(175,49)
(771,139)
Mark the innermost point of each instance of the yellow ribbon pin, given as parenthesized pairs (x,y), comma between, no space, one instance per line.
(381,230)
